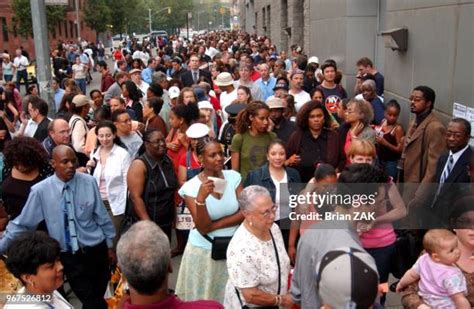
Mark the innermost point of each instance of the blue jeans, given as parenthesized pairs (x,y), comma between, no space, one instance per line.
(81,83)
(390,168)
(8,77)
(21,75)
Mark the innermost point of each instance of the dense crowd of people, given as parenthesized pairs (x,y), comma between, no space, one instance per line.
(206,139)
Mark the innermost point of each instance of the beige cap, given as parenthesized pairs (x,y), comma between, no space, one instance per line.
(275,103)
(135,71)
(81,100)
(224,79)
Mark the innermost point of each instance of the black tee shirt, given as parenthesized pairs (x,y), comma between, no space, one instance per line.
(379,83)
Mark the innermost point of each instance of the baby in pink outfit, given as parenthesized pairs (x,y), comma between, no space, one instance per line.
(441,282)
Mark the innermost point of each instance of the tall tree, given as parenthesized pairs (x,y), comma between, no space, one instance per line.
(97,15)
(22,22)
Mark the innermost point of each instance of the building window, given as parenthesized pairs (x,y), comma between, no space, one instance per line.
(4,29)
(269,24)
(65,29)
(256,21)
(264,24)
(75,29)
(71,29)
(82,26)
(60,29)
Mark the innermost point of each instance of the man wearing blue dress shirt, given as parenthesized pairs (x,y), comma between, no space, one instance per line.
(70,205)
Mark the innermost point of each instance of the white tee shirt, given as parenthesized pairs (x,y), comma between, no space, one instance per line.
(20,63)
(79,71)
(278,184)
(300,99)
(226,100)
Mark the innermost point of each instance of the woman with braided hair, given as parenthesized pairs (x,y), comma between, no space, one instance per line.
(249,145)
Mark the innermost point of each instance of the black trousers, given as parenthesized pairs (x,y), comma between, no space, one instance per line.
(88,273)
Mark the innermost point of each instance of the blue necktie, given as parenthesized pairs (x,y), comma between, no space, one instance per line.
(69,219)
(447,170)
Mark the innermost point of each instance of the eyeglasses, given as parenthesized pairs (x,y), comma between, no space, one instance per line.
(156,143)
(454,134)
(269,212)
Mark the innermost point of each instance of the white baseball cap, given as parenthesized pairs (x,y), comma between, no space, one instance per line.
(174,92)
(205,104)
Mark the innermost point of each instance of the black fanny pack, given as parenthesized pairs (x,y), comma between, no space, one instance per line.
(219,246)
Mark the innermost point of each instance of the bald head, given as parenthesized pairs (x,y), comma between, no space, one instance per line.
(59,131)
(64,162)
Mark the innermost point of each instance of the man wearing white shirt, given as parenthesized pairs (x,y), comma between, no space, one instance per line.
(229,93)
(20,63)
(37,126)
(136,77)
(296,90)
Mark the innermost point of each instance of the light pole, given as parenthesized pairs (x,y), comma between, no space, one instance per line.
(78,22)
(150,15)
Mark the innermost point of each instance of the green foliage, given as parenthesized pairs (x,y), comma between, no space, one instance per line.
(97,15)
(121,12)
(132,16)
(22,22)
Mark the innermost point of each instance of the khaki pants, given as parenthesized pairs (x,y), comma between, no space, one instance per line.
(116,221)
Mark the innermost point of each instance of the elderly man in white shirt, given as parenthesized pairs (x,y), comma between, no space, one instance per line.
(20,63)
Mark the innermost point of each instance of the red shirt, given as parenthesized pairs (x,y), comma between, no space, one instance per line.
(176,303)
(106,81)
(255,75)
(118,55)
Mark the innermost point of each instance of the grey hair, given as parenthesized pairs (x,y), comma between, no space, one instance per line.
(365,108)
(369,83)
(158,77)
(249,194)
(144,255)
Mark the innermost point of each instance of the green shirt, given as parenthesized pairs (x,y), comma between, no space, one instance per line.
(252,150)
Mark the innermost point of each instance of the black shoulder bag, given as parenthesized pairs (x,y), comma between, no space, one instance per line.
(279,279)
(130,216)
(219,246)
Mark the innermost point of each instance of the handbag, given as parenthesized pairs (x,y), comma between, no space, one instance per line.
(129,219)
(184,219)
(130,216)
(279,280)
(219,246)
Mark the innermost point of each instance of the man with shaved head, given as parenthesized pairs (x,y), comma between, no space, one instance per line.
(70,205)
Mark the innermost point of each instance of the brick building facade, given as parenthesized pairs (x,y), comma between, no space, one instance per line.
(66,30)
(439,52)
